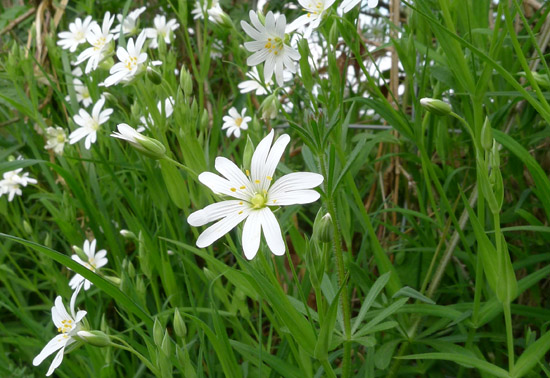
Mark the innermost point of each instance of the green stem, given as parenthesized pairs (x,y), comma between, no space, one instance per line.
(182,166)
(509,334)
(346,363)
(127,347)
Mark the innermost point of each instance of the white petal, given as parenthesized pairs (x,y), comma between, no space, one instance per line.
(294,197)
(252,234)
(231,172)
(219,185)
(272,232)
(273,159)
(259,157)
(222,227)
(214,212)
(56,361)
(54,344)
(296,181)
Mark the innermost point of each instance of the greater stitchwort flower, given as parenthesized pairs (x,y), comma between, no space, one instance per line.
(94,262)
(209,7)
(100,39)
(162,29)
(56,139)
(13,181)
(254,193)
(255,85)
(131,61)
(148,146)
(315,10)
(269,46)
(168,110)
(67,326)
(77,34)
(82,93)
(129,25)
(235,122)
(348,5)
(89,124)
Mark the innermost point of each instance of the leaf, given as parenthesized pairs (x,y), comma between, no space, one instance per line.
(369,300)
(16,164)
(327,329)
(412,293)
(251,354)
(381,316)
(531,356)
(118,296)
(461,360)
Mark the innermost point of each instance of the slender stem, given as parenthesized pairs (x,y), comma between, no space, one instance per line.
(509,334)
(328,369)
(182,166)
(129,348)
(346,363)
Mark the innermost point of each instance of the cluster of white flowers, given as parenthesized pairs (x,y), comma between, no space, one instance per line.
(12,181)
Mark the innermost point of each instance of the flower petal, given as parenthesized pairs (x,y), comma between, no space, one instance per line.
(272,232)
(53,345)
(222,227)
(56,361)
(214,212)
(252,234)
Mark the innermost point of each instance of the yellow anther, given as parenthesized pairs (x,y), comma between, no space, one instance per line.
(247,172)
(240,203)
(242,187)
(240,212)
(233,189)
(274,201)
(257,181)
(269,178)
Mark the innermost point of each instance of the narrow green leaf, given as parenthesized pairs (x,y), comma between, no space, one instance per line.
(531,356)
(461,360)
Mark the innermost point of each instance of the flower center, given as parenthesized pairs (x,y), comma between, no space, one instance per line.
(131,63)
(238,121)
(67,326)
(274,45)
(94,125)
(79,36)
(258,201)
(99,43)
(60,138)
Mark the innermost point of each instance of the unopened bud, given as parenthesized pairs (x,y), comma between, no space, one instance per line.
(436,107)
(186,82)
(166,345)
(113,279)
(95,338)
(154,76)
(541,79)
(80,253)
(152,148)
(128,234)
(486,135)
(27,227)
(270,107)
(248,152)
(158,332)
(323,228)
(333,34)
(179,324)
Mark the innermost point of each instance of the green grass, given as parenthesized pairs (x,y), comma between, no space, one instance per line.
(437,264)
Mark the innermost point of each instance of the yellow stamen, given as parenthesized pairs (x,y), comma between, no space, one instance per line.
(233,189)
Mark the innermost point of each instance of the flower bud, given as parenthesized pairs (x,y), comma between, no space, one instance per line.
(436,107)
(113,279)
(248,152)
(80,253)
(270,107)
(323,228)
(541,79)
(186,82)
(305,69)
(333,34)
(166,345)
(95,338)
(151,148)
(486,135)
(128,234)
(220,17)
(179,324)
(27,227)
(158,332)
(154,76)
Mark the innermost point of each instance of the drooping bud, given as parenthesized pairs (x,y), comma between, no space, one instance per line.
(435,106)
(95,338)
(270,107)
(154,76)
(486,135)
(128,234)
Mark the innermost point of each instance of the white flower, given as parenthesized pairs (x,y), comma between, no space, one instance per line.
(56,139)
(13,181)
(89,124)
(253,195)
(67,325)
(255,83)
(348,5)
(129,134)
(168,110)
(129,25)
(77,34)
(100,39)
(77,72)
(95,261)
(315,10)
(235,122)
(82,93)
(269,46)
(162,29)
(131,61)
(148,146)
(202,8)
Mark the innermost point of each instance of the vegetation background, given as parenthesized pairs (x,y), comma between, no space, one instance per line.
(439,261)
